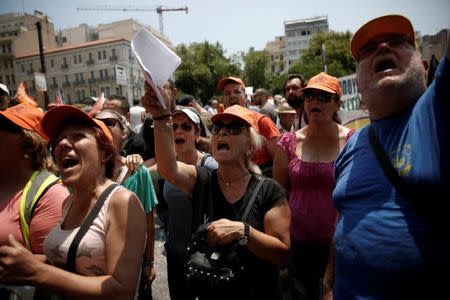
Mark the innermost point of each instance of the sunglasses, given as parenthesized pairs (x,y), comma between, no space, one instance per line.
(233,128)
(395,42)
(110,122)
(184,126)
(321,96)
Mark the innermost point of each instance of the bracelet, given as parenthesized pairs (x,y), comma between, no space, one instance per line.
(148,262)
(162,117)
(168,125)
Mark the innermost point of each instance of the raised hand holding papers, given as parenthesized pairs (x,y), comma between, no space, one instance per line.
(157,61)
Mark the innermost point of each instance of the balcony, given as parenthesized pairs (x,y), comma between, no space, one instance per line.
(113,58)
(92,80)
(64,66)
(105,78)
(90,62)
(79,82)
(66,84)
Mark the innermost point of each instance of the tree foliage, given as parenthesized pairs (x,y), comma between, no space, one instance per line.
(203,64)
(338,56)
(255,68)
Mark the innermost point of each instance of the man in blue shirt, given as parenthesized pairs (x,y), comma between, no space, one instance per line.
(386,247)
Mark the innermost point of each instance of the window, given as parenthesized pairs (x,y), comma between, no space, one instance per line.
(76,78)
(106,73)
(22,68)
(104,54)
(113,52)
(67,78)
(13,78)
(81,76)
(64,39)
(64,61)
(90,56)
(79,58)
(52,63)
(54,80)
(92,74)
(101,74)
(74,59)
(94,93)
(8,48)
(99,55)
(7,80)
(82,93)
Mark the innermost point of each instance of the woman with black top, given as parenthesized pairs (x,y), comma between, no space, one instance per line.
(234,138)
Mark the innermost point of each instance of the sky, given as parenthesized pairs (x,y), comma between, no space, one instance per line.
(236,24)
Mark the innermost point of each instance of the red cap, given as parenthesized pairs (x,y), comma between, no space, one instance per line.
(26,116)
(224,81)
(324,82)
(58,116)
(390,24)
(238,112)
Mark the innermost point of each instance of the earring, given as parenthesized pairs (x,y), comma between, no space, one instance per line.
(26,156)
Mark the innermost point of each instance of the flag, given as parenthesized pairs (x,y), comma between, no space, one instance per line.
(59,100)
(97,106)
(22,95)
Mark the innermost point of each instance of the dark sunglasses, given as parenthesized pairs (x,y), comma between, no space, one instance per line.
(233,128)
(185,126)
(321,96)
(396,41)
(110,122)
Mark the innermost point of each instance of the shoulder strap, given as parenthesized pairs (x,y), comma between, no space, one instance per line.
(37,185)
(71,255)
(204,158)
(250,202)
(396,180)
(416,197)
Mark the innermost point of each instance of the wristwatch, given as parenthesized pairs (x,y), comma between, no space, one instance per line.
(243,240)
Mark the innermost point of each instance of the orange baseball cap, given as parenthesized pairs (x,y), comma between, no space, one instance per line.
(26,116)
(225,80)
(238,112)
(324,82)
(61,115)
(389,24)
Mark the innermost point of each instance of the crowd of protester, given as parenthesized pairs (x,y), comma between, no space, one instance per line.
(80,189)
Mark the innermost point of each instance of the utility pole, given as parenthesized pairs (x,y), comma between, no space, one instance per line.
(41,56)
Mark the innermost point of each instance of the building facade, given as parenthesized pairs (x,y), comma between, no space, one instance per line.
(277,52)
(80,62)
(298,34)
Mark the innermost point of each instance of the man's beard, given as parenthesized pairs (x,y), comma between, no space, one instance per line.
(295,101)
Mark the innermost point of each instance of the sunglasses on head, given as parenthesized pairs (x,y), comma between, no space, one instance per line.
(184,126)
(233,128)
(321,96)
(110,122)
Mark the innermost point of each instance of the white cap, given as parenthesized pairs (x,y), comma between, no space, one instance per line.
(191,114)
(4,88)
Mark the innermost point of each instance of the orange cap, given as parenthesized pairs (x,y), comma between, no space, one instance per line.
(324,82)
(390,24)
(27,116)
(61,115)
(225,80)
(238,112)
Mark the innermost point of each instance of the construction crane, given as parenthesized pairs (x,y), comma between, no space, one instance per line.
(159,10)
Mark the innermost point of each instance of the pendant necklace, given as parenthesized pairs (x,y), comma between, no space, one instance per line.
(228,183)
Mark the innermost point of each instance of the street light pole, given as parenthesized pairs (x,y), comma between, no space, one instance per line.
(41,56)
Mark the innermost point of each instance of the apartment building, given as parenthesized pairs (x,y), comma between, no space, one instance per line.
(84,70)
(298,34)
(277,52)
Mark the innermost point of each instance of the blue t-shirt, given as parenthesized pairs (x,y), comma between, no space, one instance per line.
(180,214)
(384,247)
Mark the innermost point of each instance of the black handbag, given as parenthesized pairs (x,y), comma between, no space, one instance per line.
(217,268)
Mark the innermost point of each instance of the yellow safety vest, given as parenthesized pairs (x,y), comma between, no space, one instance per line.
(36,186)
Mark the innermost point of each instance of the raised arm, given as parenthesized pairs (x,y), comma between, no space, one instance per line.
(179,174)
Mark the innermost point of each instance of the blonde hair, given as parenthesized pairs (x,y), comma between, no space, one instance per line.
(255,142)
(36,147)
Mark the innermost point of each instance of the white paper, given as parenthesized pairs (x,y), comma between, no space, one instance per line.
(158,62)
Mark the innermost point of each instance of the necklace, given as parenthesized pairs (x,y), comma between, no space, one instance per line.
(228,183)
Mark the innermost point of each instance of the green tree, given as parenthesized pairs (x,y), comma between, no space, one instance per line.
(202,66)
(255,68)
(338,56)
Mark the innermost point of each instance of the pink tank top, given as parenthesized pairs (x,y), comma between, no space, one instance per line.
(311,186)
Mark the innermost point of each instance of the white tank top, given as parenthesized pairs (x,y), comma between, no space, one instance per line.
(90,258)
